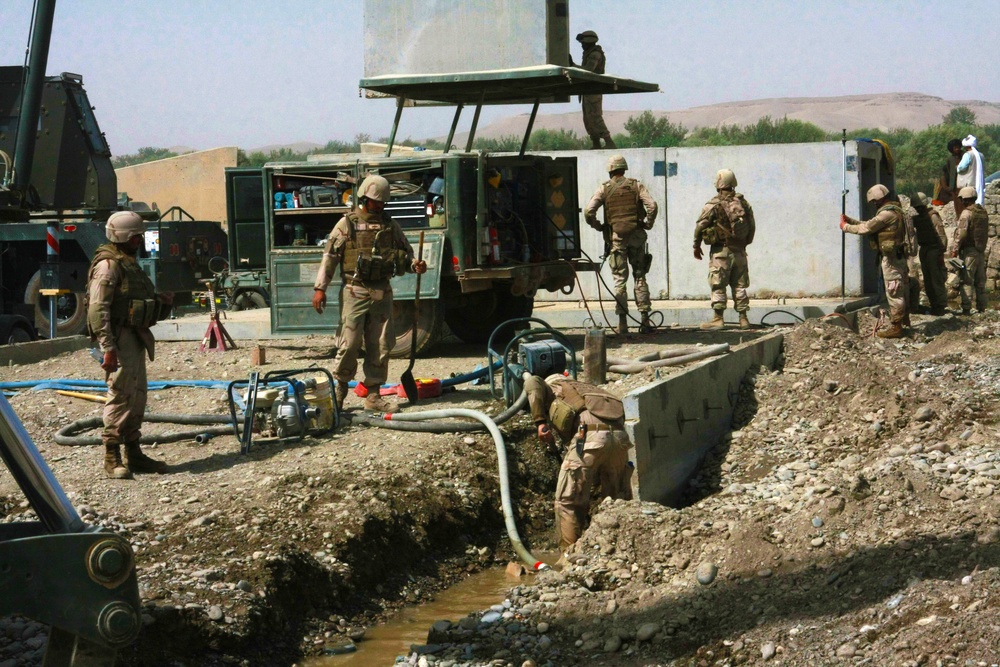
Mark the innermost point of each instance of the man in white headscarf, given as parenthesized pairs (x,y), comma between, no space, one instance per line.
(970,169)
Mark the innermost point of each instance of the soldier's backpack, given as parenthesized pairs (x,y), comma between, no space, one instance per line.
(736,215)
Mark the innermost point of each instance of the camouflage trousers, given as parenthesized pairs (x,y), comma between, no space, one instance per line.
(625,251)
(126,392)
(932,266)
(727,268)
(365,317)
(895,274)
(601,457)
(593,116)
(913,296)
(974,279)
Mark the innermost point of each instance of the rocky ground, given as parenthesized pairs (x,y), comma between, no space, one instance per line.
(852,517)
(263,558)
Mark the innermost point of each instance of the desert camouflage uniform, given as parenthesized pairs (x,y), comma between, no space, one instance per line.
(887,231)
(597,452)
(365,306)
(933,242)
(593,105)
(626,201)
(971,238)
(727,264)
(114,278)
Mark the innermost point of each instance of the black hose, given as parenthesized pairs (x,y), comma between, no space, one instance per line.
(68,435)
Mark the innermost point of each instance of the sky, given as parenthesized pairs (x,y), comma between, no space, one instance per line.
(209,73)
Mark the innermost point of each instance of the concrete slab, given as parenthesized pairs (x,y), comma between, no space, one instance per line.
(37,350)
(674,423)
(252,325)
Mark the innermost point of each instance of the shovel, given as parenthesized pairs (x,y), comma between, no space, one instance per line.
(409,384)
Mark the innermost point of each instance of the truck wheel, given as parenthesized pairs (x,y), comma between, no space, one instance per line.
(249,301)
(71,315)
(15,329)
(475,321)
(428,327)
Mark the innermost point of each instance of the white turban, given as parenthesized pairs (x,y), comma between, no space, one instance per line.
(969,141)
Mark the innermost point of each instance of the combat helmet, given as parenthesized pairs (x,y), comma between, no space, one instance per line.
(877,192)
(725,178)
(968,192)
(375,187)
(123,225)
(616,163)
(587,37)
(922,200)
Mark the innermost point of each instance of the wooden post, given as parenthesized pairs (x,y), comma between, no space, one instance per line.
(595,357)
(258,356)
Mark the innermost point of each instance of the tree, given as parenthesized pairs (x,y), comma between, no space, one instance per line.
(960,116)
(145,154)
(647,130)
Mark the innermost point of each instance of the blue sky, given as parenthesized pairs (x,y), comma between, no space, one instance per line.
(210,73)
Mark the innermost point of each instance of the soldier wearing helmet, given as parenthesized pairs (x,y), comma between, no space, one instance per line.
(971,237)
(590,422)
(887,235)
(727,226)
(629,212)
(122,305)
(933,243)
(370,248)
(593,105)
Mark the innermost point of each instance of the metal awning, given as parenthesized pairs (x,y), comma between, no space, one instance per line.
(522,85)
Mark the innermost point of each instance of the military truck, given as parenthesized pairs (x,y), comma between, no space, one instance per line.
(57,190)
(497,227)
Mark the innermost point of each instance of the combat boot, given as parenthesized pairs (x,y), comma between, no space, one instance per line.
(623,324)
(139,462)
(967,311)
(375,403)
(744,321)
(113,465)
(717,322)
(895,330)
(341,394)
(595,142)
(609,142)
(645,327)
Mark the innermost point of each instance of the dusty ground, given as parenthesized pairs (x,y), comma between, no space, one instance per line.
(266,557)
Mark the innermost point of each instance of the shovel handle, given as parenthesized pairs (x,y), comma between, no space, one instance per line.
(416,303)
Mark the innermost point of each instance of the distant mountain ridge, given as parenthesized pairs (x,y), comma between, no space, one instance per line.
(884,111)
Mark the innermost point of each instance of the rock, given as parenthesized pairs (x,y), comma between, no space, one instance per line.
(542,628)
(706,573)
(846,650)
(966,434)
(441,626)
(830,385)
(612,644)
(491,617)
(817,522)
(924,414)
(646,631)
(356,634)
(528,663)
(244,585)
(817,541)
(215,613)
(611,607)
(767,650)
(952,493)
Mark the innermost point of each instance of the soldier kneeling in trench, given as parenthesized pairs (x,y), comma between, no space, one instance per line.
(592,422)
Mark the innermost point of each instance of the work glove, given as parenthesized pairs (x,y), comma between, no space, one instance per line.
(319,300)
(419,266)
(110,361)
(545,434)
(843,222)
(697,252)
(647,224)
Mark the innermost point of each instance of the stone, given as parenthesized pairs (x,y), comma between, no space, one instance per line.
(846,650)
(491,617)
(611,607)
(706,573)
(953,493)
(613,644)
(542,628)
(767,650)
(215,613)
(924,414)
(646,631)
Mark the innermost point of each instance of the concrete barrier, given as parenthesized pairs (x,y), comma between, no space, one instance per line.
(674,423)
(39,350)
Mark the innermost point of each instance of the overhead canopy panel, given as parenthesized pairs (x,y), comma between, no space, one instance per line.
(522,85)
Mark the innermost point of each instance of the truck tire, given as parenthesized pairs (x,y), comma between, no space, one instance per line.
(428,327)
(476,320)
(15,329)
(248,300)
(71,313)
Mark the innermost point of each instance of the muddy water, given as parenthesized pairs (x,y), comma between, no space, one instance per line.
(383,643)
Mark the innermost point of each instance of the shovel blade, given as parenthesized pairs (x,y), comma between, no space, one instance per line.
(409,386)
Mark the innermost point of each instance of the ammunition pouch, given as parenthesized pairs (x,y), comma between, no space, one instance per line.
(562,416)
(710,236)
(143,313)
(647,261)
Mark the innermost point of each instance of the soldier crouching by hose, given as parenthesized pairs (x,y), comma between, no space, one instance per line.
(592,422)
(629,212)
(370,248)
(887,234)
(122,304)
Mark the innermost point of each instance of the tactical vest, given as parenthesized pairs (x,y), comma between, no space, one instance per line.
(978,234)
(370,254)
(577,397)
(133,303)
(889,239)
(599,68)
(730,226)
(621,205)
(926,234)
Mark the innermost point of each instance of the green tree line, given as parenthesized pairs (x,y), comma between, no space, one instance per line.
(919,156)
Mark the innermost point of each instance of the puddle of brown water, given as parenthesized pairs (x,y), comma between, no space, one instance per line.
(383,643)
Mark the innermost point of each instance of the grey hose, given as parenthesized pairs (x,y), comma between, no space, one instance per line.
(620,366)
(508,510)
(68,435)
(440,426)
